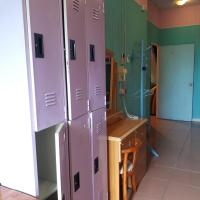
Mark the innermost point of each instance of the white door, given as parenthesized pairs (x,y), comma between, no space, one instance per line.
(176,82)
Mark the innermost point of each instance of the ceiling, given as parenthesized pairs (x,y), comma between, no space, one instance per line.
(171,3)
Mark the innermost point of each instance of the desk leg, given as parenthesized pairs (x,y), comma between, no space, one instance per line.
(114,156)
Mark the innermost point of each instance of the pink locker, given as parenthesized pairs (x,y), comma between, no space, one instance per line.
(46,62)
(80,158)
(99,154)
(95,53)
(75,58)
(62,163)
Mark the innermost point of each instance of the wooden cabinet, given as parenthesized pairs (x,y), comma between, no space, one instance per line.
(121,135)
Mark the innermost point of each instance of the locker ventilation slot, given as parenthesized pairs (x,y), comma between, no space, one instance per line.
(76,5)
(99,128)
(97,90)
(95,14)
(79,94)
(50,99)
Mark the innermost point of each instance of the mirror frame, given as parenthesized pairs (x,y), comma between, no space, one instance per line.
(113,83)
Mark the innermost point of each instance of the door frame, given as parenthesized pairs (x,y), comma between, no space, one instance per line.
(157,73)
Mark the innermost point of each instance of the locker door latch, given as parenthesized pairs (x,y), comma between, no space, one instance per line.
(96,165)
(39,46)
(92,53)
(72,49)
(76,181)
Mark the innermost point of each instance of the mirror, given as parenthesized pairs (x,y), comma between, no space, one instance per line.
(111,83)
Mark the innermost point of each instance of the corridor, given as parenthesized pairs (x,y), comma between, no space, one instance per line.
(175,175)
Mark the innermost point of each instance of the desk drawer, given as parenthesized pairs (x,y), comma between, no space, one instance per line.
(128,141)
(140,133)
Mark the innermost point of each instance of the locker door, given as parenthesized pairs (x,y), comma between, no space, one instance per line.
(80,158)
(95,54)
(76,62)
(46,62)
(99,154)
(62,163)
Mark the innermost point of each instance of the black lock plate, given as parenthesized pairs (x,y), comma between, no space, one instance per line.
(39,46)
(76,181)
(96,165)
(92,53)
(72,49)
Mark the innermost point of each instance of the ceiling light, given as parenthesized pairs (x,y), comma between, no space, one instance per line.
(181,2)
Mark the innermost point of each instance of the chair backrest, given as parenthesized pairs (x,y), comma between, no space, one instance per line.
(131,151)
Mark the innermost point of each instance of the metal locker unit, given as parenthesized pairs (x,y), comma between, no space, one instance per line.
(99,154)
(77,87)
(80,158)
(95,53)
(46,46)
(46,62)
(33,87)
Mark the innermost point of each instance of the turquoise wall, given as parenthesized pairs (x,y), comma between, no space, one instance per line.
(177,36)
(126,26)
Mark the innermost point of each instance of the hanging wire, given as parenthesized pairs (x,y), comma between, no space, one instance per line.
(126,111)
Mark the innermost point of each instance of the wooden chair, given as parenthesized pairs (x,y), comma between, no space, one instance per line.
(127,170)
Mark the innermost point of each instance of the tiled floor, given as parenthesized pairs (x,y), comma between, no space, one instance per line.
(175,175)
(8,194)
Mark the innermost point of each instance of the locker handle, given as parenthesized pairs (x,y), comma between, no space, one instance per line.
(76,181)
(96,165)
(72,47)
(92,53)
(39,46)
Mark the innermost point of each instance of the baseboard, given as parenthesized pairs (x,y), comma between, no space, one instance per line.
(196,120)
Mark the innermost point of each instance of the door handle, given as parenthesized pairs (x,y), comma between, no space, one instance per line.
(191,84)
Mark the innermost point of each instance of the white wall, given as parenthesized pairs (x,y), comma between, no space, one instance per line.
(17,154)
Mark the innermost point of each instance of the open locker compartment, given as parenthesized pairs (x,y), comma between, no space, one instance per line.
(80,158)
(53,163)
(99,154)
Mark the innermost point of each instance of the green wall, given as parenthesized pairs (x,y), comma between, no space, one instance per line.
(153,33)
(126,26)
(177,36)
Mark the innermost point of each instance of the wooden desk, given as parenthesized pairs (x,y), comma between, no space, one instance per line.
(120,135)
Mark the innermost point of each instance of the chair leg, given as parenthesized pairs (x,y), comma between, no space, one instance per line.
(134,183)
(125,193)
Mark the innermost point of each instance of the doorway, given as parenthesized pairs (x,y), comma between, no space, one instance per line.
(154,63)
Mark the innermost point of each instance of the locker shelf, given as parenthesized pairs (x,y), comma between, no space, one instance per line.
(47,188)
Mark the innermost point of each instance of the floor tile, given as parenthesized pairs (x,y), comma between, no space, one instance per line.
(152,188)
(177,191)
(188,164)
(186,177)
(143,197)
(159,172)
